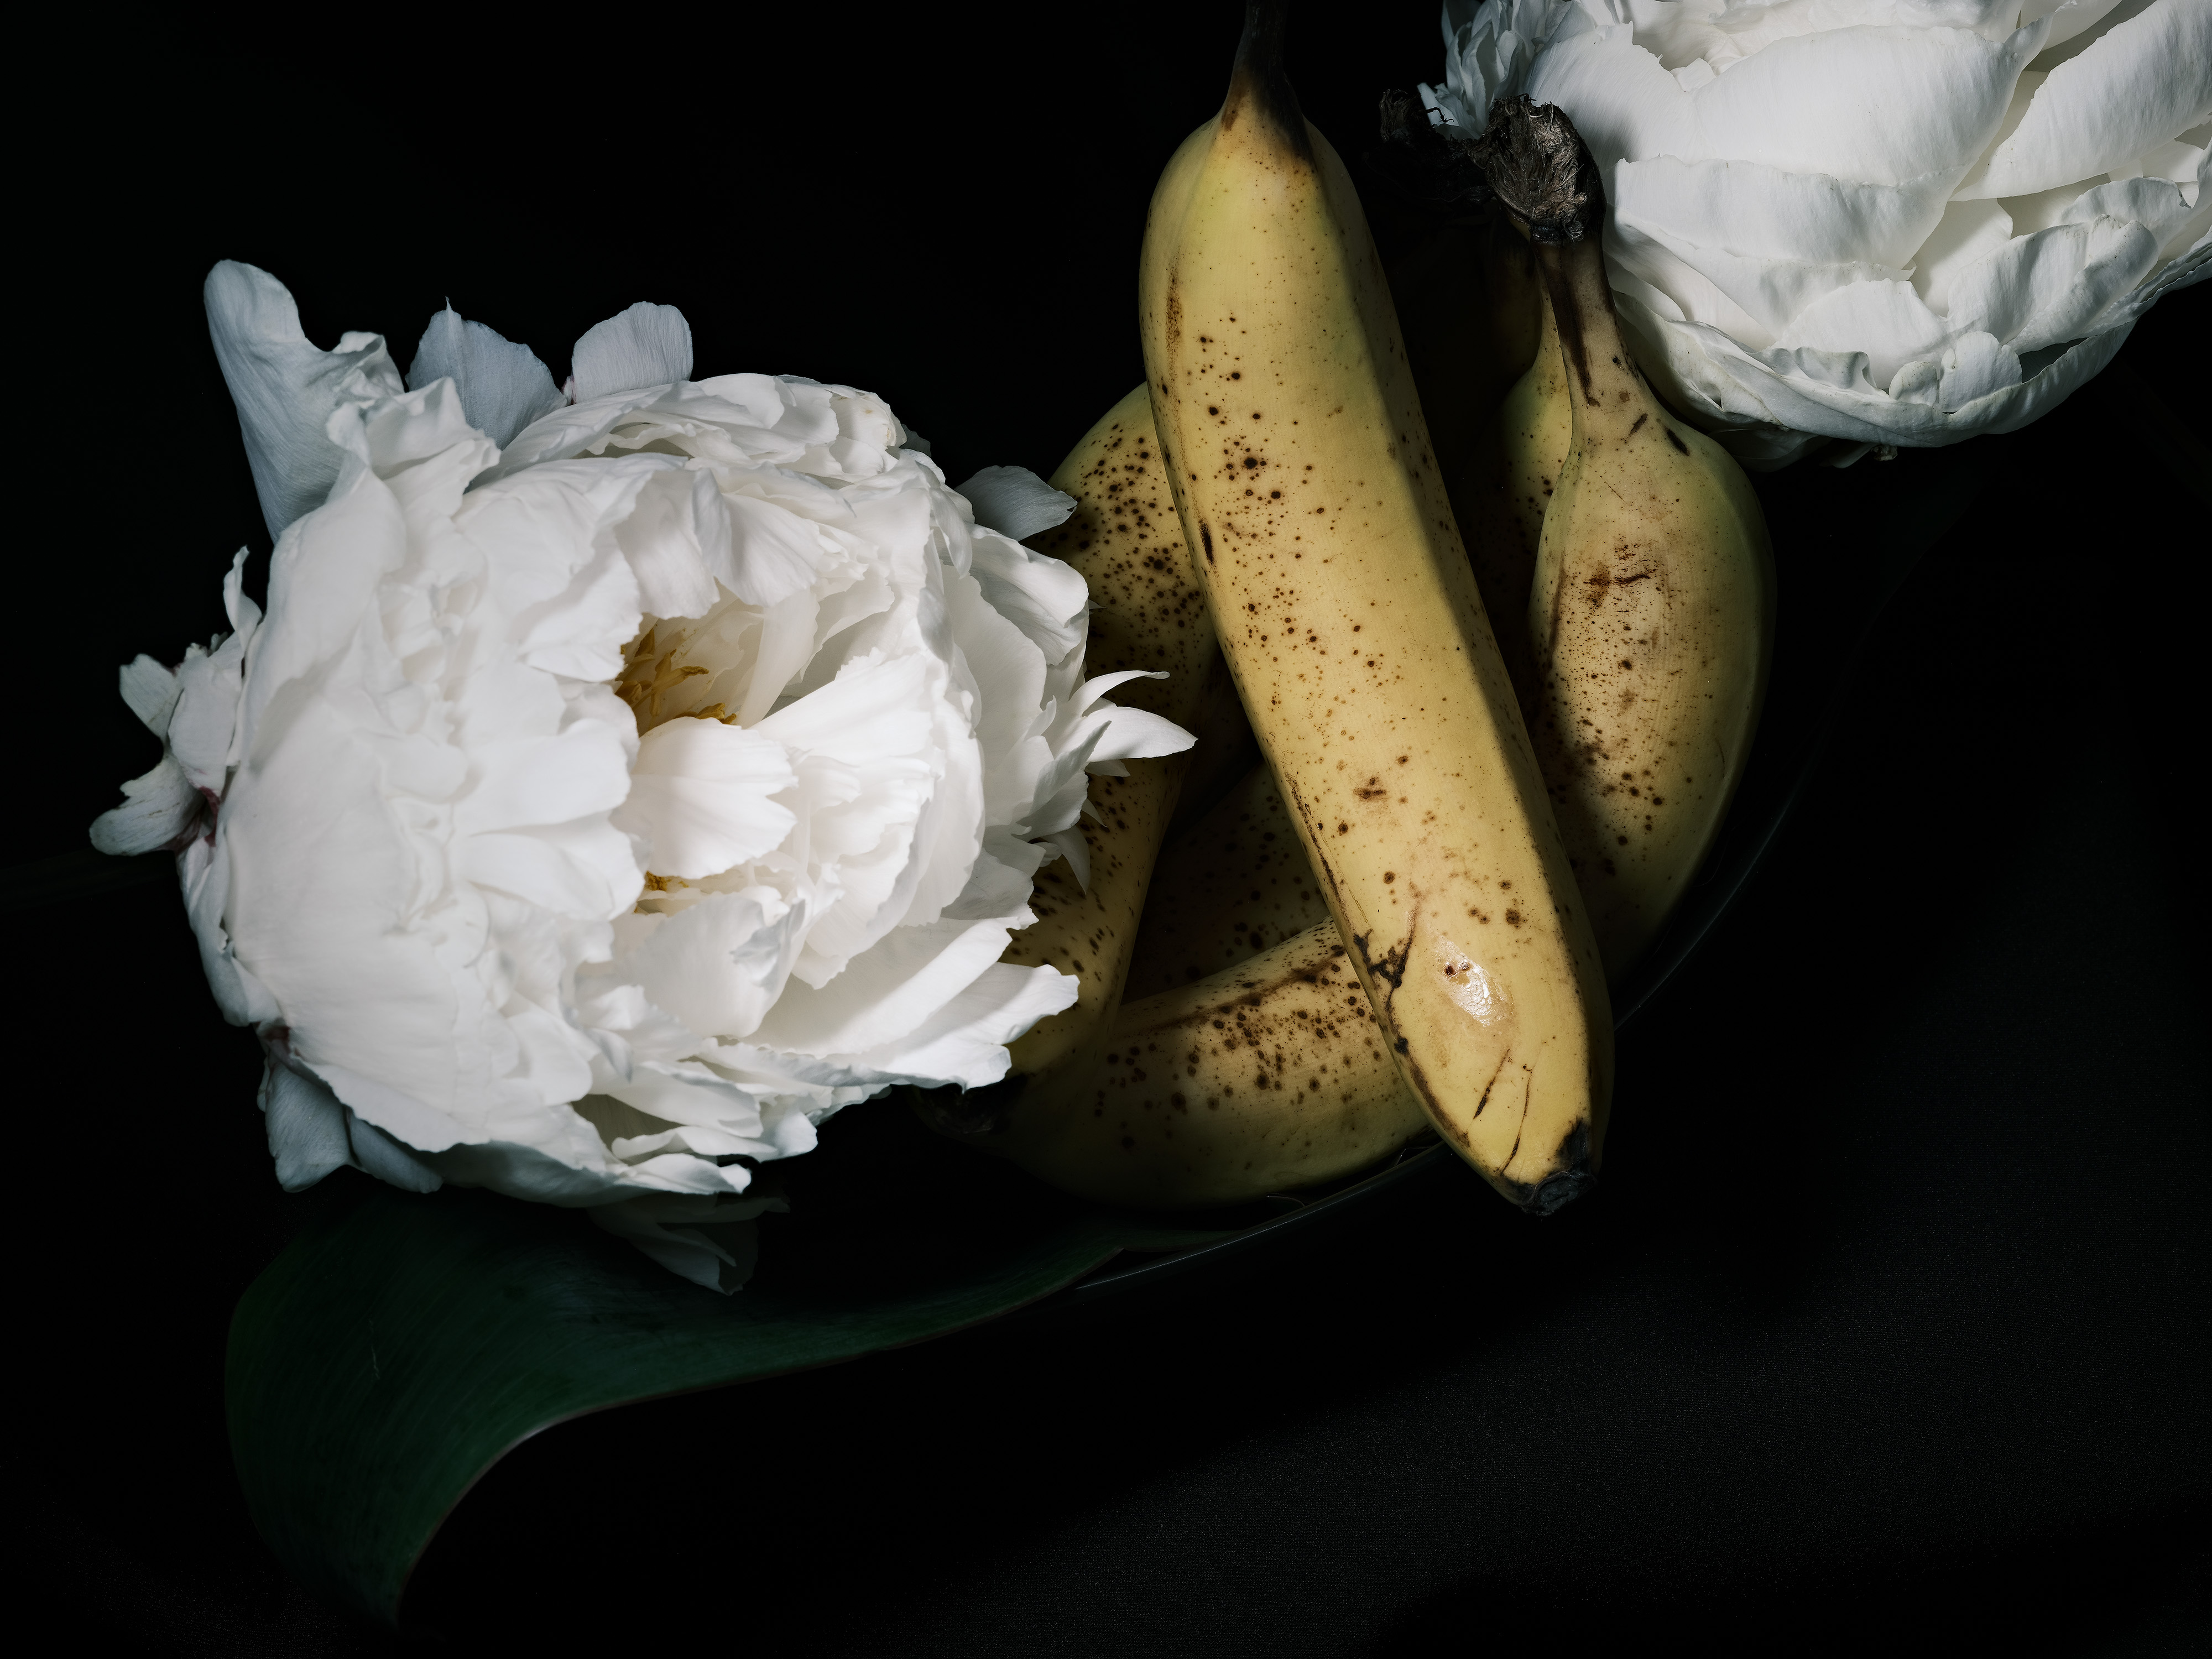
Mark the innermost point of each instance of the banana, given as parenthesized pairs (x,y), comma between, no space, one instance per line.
(1235,883)
(1651,615)
(1267,1076)
(1125,538)
(1225,751)
(1469,304)
(1346,604)
(1535,429)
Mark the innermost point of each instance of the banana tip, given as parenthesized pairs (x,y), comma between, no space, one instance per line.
(1574,1176)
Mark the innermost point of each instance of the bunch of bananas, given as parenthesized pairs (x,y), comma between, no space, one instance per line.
(1485,780)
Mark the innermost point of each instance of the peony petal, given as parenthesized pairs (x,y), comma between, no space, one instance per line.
(157,810)
(150,690)
(719,965)
(390,1162)
(284,387)
(2177,163)
(2157,204)
(582,868)
(1977,366)
(1621,100)
(503,387)
(204,724)
(966,1040)
(576,1171)
(2053,285)
(1014,501)
(203,870)
(1764,295)
(700,797)
(2142,81)
(2068,17)
(1872,106)
(1876,105)
(1072,846)
(1137,734)
(677,538)
(1099,684)
(1748,209)
(772,554)
(548,779)
(306,1125)
(1040,595)
(1891,322)
(1772,407)
(1970,232)
(884,992)
(647,345)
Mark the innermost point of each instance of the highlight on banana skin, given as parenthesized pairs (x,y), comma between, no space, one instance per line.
(1473,693)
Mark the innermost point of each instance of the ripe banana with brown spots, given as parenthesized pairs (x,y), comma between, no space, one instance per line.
(1269,1075)
(1347,608)
(1125,539)
(1235,883)
(1651,614)
(1535,429)
(1468,301)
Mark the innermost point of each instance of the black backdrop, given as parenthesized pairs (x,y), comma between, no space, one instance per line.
(1889,1317)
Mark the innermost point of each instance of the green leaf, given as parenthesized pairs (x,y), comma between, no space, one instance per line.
(402,1343)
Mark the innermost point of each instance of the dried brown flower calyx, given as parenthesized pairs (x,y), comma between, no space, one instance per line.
(1423,163)
(1543,173)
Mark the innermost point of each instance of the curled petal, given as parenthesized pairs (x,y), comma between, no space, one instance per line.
(157,810)
(285,387)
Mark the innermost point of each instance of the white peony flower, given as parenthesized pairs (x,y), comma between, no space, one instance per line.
(616,787)
(1881,221)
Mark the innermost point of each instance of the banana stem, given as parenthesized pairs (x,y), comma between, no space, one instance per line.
(1546,176)
(1260,83)
(1548,180)
(1580,315)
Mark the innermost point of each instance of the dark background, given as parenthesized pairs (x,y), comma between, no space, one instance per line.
(1889,1318)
